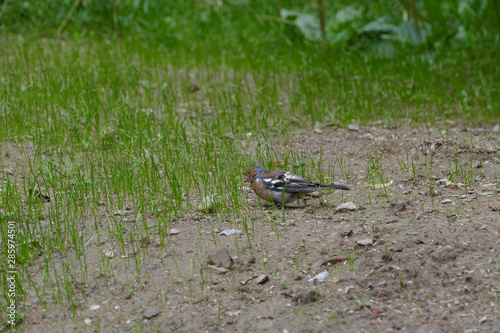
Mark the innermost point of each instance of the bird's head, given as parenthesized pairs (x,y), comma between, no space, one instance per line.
(254,172)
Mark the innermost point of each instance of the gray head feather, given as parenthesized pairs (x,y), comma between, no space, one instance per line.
(260,169)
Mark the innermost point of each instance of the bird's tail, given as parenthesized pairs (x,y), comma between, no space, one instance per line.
(335,187)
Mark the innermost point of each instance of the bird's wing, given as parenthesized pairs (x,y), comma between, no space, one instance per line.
(285,181)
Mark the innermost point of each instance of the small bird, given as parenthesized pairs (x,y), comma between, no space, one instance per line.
(281,187)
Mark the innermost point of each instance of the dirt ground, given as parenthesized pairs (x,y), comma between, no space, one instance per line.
(420,254)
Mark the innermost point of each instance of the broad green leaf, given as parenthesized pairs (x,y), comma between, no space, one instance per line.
(466,13)
(379,27)
(348,14)
(341,37)
(307,24)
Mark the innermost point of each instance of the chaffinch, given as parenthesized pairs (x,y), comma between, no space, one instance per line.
(282,187)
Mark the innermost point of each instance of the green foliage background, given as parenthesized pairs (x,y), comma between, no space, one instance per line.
(421,52)
(242,27)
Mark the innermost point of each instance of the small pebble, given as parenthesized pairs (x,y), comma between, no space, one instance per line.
(151,312)
(346,207)
(353,127)
(365,242)
(229,232)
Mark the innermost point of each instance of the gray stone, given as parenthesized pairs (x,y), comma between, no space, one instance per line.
(261,279)
(353,127)
(444,254)
(222,258)
(365,242)
(346,207)
(346,231)
(229,232)
(151,312)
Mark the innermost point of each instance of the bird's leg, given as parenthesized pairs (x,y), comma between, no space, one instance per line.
(268,206)
(279,206)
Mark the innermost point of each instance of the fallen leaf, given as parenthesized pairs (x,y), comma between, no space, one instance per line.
(380,185)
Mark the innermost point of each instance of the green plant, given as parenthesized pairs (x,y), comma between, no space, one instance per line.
(401,287)
(351,258)
(364,305)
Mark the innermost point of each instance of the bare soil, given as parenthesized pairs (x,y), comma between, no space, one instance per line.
(429,263)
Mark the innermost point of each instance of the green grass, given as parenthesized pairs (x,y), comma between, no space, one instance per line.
(114,89)
(101,124)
